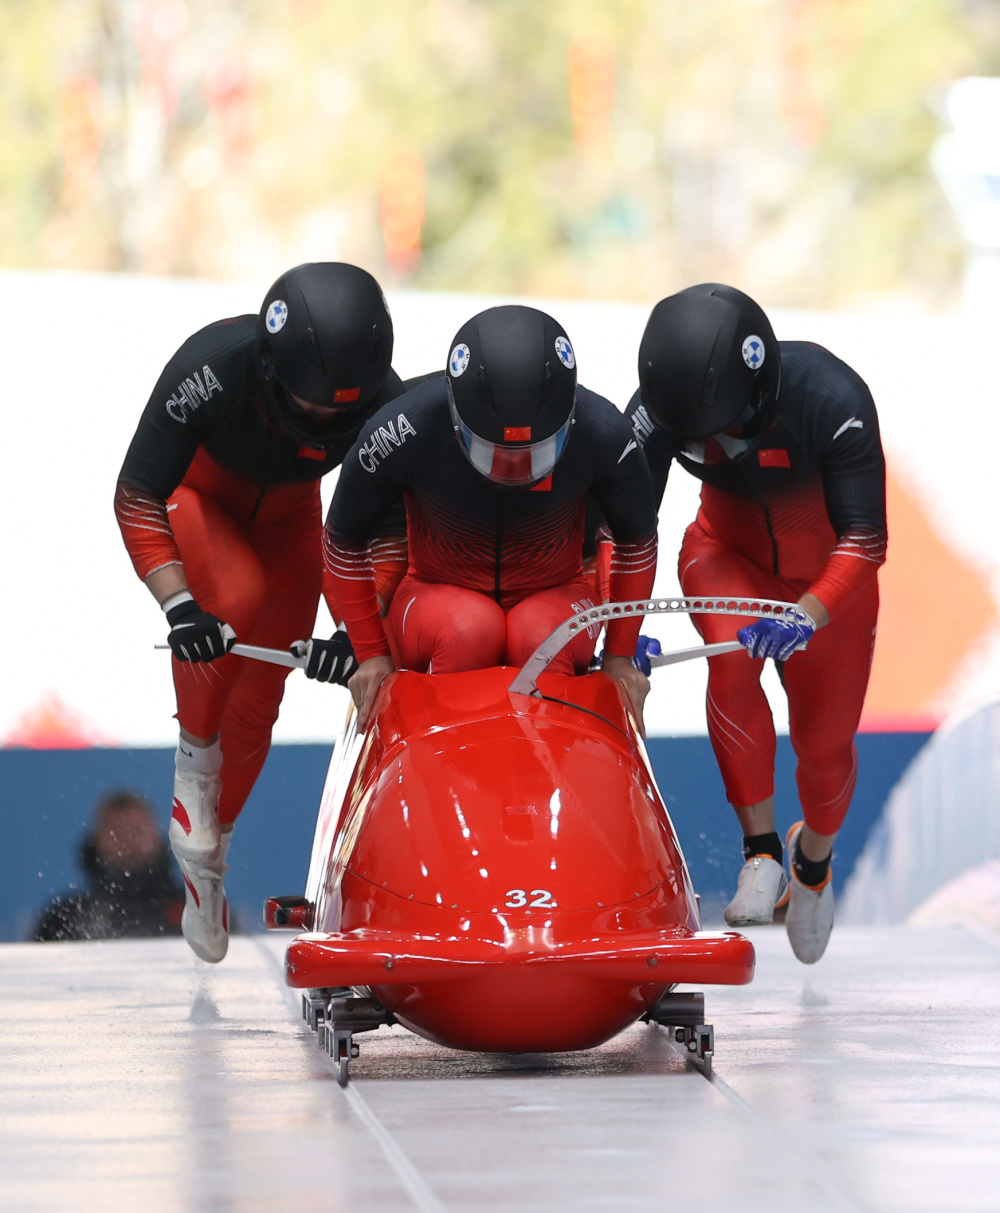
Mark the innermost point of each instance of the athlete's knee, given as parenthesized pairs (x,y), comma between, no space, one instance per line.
(734,678)
(254,703)
(535,618)
(470,640)
(817,752)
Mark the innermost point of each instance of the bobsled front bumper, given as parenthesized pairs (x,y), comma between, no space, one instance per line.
(518,996)
(369,958)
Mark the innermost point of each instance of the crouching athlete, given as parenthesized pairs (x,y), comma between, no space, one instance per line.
(495,461)
(785,440)
(218,503)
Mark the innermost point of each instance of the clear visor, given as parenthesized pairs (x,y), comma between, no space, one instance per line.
(512,466)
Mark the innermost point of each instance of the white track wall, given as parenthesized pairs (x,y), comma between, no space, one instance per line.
(940,821)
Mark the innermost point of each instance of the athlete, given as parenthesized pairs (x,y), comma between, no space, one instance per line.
(785,439)
(218,503)
(495,462)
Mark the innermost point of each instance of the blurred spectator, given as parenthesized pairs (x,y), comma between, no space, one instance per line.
(132,890)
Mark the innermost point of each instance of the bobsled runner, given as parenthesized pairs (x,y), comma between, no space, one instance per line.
(495,869)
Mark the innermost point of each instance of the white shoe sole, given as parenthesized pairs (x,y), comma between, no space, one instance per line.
(809,921)
(205,920)
(760,887)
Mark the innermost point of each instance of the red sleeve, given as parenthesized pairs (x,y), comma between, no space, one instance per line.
(854,561)
(633,569)
(145,528)
(389,561)
(351,593)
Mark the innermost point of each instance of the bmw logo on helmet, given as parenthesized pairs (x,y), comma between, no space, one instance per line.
(753,352)
(459,360)
(565,352)
(276,316)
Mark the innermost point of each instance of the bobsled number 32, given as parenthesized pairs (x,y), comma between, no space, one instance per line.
(494,868)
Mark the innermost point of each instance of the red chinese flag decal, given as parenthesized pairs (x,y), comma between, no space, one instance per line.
(543,486)
(344,395)
(773,458)
(517,433)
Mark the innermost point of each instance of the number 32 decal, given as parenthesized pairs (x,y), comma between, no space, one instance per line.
(540,898)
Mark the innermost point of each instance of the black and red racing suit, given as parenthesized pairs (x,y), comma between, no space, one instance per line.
(803,512)
(499,545)
(209,482)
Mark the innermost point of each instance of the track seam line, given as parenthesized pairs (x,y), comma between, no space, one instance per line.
(408,1175)
(816,1171)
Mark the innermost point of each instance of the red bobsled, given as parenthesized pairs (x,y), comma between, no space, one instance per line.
(495,869)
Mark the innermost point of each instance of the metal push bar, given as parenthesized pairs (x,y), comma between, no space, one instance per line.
(526,682)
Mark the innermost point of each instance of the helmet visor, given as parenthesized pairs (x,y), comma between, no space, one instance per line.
(511,466)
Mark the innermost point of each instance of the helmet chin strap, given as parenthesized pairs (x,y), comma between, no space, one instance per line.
(732,448)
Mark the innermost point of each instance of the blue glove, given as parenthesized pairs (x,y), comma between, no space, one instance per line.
(647,647)
(776,638)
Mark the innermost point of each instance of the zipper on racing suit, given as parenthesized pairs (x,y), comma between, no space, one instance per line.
(772,537)
(498,551)
(257,503)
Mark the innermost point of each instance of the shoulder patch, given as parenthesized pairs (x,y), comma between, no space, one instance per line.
(851,424)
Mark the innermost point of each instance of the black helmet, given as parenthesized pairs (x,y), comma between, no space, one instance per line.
(708,362)
(512,389)
(324,334)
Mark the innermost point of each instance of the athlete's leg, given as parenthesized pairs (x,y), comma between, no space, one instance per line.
(536,617)
(740,724)
(286,537)
(226,577)
(826,687)
(444,629)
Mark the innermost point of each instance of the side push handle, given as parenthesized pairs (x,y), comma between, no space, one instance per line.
(273,656)
(526,681)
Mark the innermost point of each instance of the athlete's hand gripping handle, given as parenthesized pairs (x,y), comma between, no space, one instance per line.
(195,635)
(647,647)
(775,638)
(330,660)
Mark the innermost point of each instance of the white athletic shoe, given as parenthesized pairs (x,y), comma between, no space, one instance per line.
(194,823)
(760,888)
(810,911)
(205,921)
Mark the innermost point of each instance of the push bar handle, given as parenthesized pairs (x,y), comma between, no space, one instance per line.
(526,681)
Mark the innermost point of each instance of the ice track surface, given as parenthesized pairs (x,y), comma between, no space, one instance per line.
(135,1078)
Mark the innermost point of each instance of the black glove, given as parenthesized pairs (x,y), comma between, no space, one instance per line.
(330,660)
(197,636)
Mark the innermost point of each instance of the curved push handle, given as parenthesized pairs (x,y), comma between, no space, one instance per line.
(526,681)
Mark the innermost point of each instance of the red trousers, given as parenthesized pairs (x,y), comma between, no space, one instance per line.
(445,629)
(256,562)
(825,685)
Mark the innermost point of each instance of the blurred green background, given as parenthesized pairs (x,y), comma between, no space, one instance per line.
(565,148)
